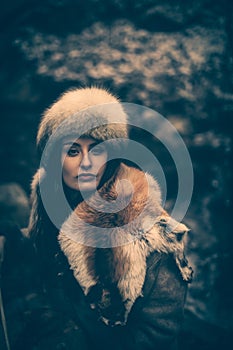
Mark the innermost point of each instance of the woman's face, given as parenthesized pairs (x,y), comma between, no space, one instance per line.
(83,162)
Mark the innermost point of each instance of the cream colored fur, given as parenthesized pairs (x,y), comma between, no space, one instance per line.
(133,233)
(78,109)
(148,234)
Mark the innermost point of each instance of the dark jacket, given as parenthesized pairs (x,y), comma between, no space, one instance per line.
(58,316)
(60,294)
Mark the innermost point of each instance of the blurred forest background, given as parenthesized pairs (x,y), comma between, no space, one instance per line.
(175,57)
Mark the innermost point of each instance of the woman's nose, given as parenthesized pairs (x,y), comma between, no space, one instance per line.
(86,161)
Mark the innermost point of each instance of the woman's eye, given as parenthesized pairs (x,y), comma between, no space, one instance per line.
(97,150)
(72,152)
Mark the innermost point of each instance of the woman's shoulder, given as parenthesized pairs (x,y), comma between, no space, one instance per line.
(163,273)
(166,244)
(158,261)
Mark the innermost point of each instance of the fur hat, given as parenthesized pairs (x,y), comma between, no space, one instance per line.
(90,111)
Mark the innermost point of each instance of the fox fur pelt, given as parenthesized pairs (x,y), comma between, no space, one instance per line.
(123,238)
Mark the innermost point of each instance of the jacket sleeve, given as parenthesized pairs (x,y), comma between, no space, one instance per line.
(157,316)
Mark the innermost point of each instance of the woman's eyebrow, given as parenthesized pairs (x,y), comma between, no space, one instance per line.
(70,143)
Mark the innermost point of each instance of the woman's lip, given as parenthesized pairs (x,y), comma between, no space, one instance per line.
(86,177)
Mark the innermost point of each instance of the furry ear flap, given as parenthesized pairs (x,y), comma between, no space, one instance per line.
(34,220)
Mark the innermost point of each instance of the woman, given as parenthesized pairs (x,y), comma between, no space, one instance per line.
(109,269)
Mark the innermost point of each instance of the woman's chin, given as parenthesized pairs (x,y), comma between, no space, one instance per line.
(86,187)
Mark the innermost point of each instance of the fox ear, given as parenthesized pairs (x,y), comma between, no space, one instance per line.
(172,226)
(182,263)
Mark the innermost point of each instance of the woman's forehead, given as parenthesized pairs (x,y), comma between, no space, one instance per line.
(83,140)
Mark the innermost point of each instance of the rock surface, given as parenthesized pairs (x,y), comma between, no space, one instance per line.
(14,204)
